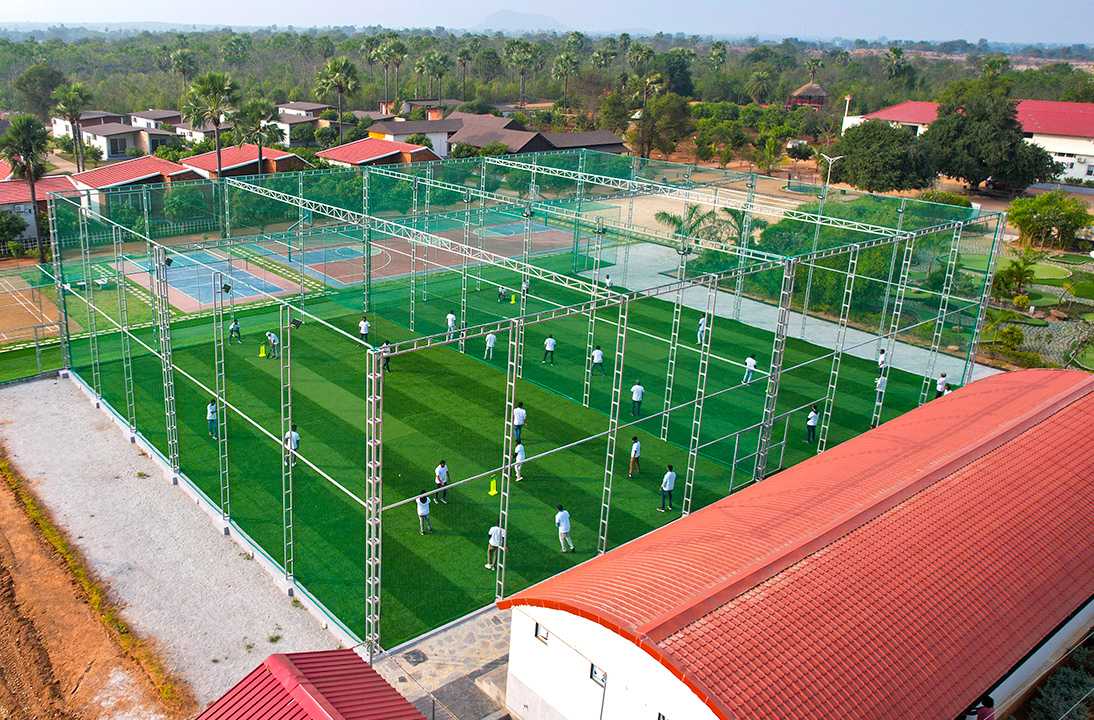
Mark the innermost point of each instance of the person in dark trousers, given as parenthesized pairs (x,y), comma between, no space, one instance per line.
(520,416)
(668,482)
(940,386)
(502,294)
(637,393)
(549,346)
(811,425)
(384,354)
(233,332)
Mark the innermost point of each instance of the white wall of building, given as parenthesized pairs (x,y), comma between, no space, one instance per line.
(121,144)
(25,211)
(59,127)
(1076,154)
(439,140)
(551,679)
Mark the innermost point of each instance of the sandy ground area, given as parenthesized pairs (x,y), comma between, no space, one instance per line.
(209,608)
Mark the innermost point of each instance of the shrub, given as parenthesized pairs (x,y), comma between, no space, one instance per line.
(1020,302)
(945,198)
(16,249)
(1010,337)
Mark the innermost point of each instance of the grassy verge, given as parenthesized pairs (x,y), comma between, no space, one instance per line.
(174,693)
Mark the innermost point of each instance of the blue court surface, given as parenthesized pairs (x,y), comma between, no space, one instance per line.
(513,228)
(316,260)
(192,275)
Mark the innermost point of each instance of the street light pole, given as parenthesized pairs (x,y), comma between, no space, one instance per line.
(816,237)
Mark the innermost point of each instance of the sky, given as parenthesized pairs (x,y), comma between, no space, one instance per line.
(1050,21)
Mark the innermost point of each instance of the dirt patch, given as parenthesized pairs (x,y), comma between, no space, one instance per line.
(60,655)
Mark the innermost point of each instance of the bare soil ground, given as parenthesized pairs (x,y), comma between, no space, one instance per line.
(57,659)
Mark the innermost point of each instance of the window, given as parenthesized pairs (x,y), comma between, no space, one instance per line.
(597,675)
(117,146)
(541,633)
(1090,171)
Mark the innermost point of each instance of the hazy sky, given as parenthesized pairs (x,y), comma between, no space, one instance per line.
(1063,21)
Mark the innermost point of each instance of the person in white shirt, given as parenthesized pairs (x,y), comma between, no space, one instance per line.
(385,355)
(363,327)
(562,522)
(502,294)
(668,482)
(881,358)
(549,349)
(274,343)
(811,425)
(525,285)
(233,332)
(701,329)
(424,523)
(598,361)
(637,393)
(635,465)
(292,444)
(211,418)
(440,479)
(518,461)
(750,369)
(494,545)
(607,280)
(940,386)
(520,416)
(491,342)
(450,323)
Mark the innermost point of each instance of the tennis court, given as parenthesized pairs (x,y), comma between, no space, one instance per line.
(190,278)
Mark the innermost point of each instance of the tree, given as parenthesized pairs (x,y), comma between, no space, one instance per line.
(575,43)
(733,226)
(694,222)
(813,66)
(420,139)
(12,227)
(977,136)
(896,65)
(438,65)
(768,153)
(602,59)
(676,67)
(34,89)
(665,121)
(564,68)
(23,146)
(421,69)
(184,64)
(397,53)
(253,123)
(758,86)
(209,100)
(463,61)
(716,58)
(639,58)
(520,55)
(71,101)
(338,76)
(1052,219)
(615,113)
(326,137)
(236,49)
(878,157)
(368,51)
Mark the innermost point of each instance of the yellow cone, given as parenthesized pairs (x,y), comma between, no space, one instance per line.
(262,350)
(493,487)
(513,299)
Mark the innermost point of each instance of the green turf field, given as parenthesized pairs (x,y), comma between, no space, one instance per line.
(442,404)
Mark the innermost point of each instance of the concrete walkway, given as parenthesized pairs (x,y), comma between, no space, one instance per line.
(654,265)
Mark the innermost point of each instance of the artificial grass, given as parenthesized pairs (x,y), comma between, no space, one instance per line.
(441,404)
(1041,271)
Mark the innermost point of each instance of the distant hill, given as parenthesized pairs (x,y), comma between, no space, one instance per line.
(510,21)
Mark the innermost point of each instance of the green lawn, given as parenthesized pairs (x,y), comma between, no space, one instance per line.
(1042,271)
(442,404)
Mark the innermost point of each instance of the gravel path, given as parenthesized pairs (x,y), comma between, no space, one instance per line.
(214,613)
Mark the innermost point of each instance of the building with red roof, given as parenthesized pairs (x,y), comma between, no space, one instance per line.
(243,160)
(1064,129)
(904,573)
(15,198)
(325,685)
(374,151)
(5,171)
(144,169)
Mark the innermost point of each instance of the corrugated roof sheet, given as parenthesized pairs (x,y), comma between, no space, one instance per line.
(325,685)
(366,150)
(908,568)
(233,156)
(15,191)
(128,171)
(587,138)
(1045,117)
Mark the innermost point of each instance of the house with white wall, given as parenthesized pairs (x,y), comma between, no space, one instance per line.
(118,141)
(60,127)
(1064,129)
(155,119)
(199,133)
(438,132)
(908,572)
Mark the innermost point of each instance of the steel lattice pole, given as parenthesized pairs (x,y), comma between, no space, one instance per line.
(92,314)
(700,395)
(366,303)
(220,397)
(743,239)
(162,310)
(943,311)
(59,286)
(511,374)
(590,335)
(837,354)
(894,328)
(771,398)
(374,419)
(613,429)
(993,256)
(674,341)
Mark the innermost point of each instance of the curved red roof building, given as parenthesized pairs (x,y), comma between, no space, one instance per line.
(900,574)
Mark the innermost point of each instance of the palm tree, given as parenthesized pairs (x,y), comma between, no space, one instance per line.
(521,56)
(717,56)
(639,57)
(209,100)
(438,65)
(383,57)
(652,85)
(758,86)
(813,66)
(463,60)
(338,76)
(71,101)
(397,52)
(733,225)
(253,123)
(368,51)
(602,59)
(184,64)
(895,63)
(24,146)
(421,69)
(565,67)
(695,222)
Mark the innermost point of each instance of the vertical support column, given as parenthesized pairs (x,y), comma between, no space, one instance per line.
(524,282)
(943,311)
(482,218)
(894,328)
(579,200)
(288,456)
(631,193)
(366,300)
(613,428)
(970,361)
(161,307)
(516,332)
(892,269)
(59,285)
(223,190)
(590,335)
(425,227)
(301,215)
(786,295)
(92,308)
(674,339)
(743,240)
(822,197)
(221,389)
(700,395)
(374,463)
(837,353)
(413,253)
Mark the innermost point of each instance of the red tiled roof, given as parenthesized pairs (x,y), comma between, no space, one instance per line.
(232,156)
(366,150)
(908,568)
(16,191)
(327,685)
(1045,117)
(5,170)
(128,171)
